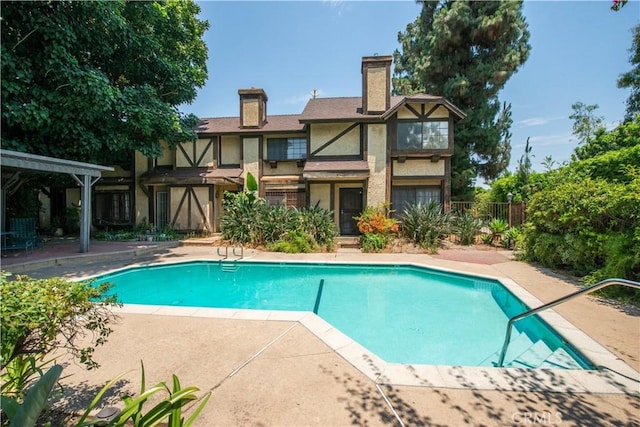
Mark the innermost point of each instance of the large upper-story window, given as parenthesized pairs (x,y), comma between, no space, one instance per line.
(423,135)
(286,148)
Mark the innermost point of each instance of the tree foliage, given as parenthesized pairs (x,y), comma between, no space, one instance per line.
(585,121)
(39,316)
(631,79)
(603,141)
(585,217)
(90,81)
(466,51)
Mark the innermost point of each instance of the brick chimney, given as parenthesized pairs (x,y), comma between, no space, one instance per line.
(253,108)
(376,84)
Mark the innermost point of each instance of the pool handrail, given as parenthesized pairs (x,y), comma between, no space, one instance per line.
(588,289)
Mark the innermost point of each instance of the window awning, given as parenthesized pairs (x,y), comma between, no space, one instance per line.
(191,176)
(335,169)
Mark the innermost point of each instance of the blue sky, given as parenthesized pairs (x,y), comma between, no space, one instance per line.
(579,48)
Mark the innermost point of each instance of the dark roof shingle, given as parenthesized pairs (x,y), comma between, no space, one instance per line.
(275,123)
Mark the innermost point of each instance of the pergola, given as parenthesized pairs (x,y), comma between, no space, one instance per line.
(15,164)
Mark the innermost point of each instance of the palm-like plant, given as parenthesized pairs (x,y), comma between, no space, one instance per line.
(466,227)
(425,224)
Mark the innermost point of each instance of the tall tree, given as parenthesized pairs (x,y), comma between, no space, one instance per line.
(466,51)
(631,79)
(92,80)
(625,135)
(585,121)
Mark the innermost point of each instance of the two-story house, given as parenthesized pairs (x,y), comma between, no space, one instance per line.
(341,153)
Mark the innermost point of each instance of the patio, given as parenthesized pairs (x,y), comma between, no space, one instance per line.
(279,373)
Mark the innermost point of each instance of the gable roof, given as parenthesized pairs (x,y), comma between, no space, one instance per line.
(423,98)
(338,109)
(317,110)
(350,108)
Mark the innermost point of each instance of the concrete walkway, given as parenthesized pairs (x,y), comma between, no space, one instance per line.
(265,372)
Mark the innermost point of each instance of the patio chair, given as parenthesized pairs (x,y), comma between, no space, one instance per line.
(24,229)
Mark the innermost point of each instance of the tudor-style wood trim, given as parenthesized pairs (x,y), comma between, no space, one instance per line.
(417,177)
(179,208)
(204,152)
(364,141)
(446,191)
(414,111)
(392,136)
(335,138)
(186,156)
(434,108)
(203,215)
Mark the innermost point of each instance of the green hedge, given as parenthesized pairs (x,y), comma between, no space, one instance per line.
(590,226)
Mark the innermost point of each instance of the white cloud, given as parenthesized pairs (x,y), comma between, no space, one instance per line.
(538,121)
(549,140)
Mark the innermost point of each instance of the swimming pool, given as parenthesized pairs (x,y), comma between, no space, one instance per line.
(402,313)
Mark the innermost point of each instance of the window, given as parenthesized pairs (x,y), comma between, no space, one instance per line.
(402,196)
(289,198)
(286,148)
(112,208)
(162,209)
(423,135)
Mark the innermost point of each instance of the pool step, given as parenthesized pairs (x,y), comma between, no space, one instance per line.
(560,359)
(533,356)
(229,268)
(517,346)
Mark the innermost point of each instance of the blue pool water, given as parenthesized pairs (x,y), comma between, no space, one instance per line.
(404,314)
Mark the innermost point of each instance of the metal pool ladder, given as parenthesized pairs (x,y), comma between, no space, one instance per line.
(233,251)
(592,288)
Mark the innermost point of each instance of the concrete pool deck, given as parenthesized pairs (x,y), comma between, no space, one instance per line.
(279,372)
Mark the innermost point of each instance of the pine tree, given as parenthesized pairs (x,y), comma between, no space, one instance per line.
(466,51)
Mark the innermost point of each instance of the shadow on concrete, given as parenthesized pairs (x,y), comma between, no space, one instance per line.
(446,406)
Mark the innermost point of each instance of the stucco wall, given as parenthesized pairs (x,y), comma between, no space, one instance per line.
(377,154)
(376,89)
(251,159)
(167,158)
(320,193)
(230,150)
(283,168)
(420,167)
(349,144)
(202,146)
(250,111)
(190,220)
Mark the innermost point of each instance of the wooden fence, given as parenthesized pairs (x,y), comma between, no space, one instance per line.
(513,213)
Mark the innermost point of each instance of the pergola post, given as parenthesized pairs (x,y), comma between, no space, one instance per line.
(85,214)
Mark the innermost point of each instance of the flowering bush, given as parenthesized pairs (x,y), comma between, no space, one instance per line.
(377,227)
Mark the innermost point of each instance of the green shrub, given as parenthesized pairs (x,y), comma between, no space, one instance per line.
(588,226)
(318,223)
(377,227)
(512,238)
(248,219)
(374,242)
(239,224)
(425,224)
(466,227)
(40,316)
(486,239)
(274,222)
(170,409)
(294,242)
